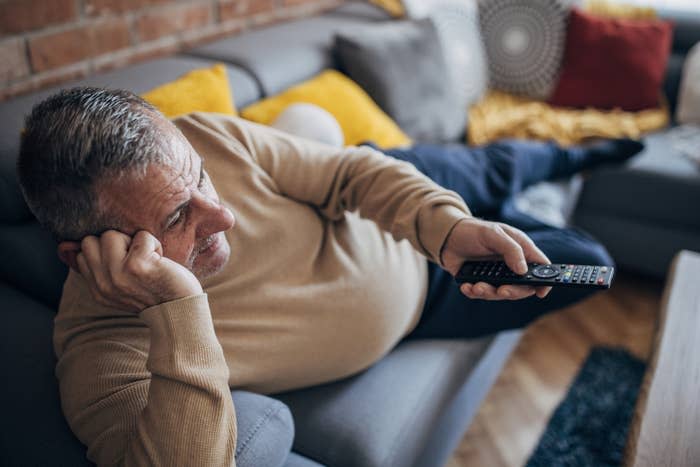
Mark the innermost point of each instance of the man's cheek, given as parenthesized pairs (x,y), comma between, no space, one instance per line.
(178,251)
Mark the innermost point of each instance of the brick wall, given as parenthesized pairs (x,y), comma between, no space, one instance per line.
(46,42)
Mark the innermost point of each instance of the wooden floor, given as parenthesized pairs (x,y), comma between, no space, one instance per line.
(536,377)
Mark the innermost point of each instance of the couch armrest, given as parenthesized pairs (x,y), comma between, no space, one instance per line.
(34,431)
(265,430)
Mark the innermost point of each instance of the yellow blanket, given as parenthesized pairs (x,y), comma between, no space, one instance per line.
(502,115)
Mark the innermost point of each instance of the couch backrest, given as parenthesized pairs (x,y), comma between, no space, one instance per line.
(285,54)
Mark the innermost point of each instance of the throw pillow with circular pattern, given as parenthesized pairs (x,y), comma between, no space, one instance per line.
(524,42)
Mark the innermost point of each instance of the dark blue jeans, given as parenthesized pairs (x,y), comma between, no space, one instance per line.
(487,178)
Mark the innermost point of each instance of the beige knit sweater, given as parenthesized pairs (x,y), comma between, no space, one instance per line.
(327,273)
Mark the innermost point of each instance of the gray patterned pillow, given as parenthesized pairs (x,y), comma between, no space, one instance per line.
(524,41)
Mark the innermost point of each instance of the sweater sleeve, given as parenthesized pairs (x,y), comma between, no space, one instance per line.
(393,193)
(163,404)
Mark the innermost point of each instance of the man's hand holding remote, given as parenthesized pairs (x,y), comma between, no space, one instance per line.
(132,273)
(474,238)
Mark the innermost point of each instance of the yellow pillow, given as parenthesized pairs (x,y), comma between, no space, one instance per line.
(502,115)
(200,90)
(357,114)
(393,7)
(619,10)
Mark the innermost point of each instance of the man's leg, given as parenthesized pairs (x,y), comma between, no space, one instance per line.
(487,176)
(449,314)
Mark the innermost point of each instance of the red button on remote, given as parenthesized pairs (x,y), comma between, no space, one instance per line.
(600,281)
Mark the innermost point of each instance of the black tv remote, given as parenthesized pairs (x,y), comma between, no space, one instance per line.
(565,275)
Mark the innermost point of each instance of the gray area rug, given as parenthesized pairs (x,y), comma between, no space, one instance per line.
(589,428)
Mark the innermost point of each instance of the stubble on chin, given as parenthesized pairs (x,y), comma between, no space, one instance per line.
(214,266)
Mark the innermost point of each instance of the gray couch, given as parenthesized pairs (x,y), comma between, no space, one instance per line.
(410,409)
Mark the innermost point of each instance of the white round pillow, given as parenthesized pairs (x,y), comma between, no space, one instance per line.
(311,122)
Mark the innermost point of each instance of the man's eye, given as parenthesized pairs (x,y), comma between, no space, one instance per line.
(202,179)
(176,220)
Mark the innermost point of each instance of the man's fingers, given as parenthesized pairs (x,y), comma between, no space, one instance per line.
(92,253)
(86,272)
(484,291)
(114,247)
(531,251)
(83,267)
(144,245)
(90,248)
(499,241)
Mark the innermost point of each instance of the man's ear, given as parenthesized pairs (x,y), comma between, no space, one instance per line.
(68,253)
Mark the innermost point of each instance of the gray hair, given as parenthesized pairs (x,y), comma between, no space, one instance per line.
(72,141)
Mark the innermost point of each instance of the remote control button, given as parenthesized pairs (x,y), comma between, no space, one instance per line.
(545,271)
(600,281)
(604,269)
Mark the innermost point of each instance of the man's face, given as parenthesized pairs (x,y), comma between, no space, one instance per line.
(177,203)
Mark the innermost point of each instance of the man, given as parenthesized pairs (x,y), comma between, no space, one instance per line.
(306,264)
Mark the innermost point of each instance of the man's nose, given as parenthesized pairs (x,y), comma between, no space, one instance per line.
(213,216)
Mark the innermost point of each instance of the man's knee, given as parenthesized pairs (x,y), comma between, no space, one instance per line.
(589,250)
(572,246)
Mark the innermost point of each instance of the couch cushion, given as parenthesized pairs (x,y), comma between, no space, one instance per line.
(689,93)
(137,78)
(30,263)
(295,460)
(201,90)
(524,43)
(457,23)
(34,431)
(357,114)
(338,423)
(265,430)
(658,186)
(381,57)
(613,63)
(283,54)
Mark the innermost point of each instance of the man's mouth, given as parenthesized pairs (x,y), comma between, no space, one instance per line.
(209,244)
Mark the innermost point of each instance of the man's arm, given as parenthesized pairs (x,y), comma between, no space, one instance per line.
(147,387)
(393,193)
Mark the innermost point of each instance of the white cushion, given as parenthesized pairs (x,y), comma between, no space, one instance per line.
(311,122)
(457,24)
(688,105)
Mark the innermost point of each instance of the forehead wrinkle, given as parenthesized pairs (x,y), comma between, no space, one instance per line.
(184,174)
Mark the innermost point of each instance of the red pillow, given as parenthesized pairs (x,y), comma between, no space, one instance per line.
(612,63)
